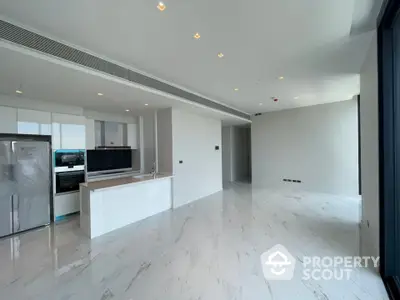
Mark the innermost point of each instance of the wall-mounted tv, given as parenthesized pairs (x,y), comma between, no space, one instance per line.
(108,160)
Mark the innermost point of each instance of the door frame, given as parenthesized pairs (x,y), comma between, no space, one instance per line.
(389,148)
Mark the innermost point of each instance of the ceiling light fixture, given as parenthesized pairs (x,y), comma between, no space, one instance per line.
(281,77)
(220,55)
(196,36)
(295,98)
(18,92)
(99,94)
(161,6)
(260,104)
(235,89)
(146,104)
(127,110)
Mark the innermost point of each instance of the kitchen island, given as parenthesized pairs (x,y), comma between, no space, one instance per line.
(110,204)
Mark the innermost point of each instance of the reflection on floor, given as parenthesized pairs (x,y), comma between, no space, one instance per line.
(207,250)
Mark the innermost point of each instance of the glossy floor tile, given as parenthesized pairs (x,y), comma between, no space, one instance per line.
(208,250)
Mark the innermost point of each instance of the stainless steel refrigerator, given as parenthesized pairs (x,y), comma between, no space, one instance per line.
(25,184)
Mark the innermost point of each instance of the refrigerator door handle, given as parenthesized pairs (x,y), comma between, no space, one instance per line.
(12,214)
(15,208)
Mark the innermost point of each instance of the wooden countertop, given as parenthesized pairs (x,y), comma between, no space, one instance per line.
(107,183)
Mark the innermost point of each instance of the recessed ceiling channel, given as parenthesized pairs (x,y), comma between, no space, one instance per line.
(26,38)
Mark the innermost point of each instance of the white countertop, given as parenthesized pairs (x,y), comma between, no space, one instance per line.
(107,183)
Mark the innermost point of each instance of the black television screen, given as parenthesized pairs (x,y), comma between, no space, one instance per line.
(110,159)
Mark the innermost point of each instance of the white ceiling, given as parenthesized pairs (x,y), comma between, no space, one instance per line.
(309,42)
(41,79)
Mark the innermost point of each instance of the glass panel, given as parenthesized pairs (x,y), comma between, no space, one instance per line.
(55,136)
(72,137)
(28,128)
(45,129)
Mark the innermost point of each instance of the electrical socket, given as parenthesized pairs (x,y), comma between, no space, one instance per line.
(292,180)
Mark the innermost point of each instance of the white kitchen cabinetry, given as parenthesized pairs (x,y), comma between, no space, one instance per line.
(90,134)
(66,204)
(33,122)
(68,131)
(132,136)
(8,120)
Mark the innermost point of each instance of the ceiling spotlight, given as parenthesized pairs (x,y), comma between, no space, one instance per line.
(127,110)
(196,36)
(161,6)
(18,92)
(281,78)
(220,55)
(146,104)
(99,94)
(235,89)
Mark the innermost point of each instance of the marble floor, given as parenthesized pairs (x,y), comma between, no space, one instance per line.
(208,250)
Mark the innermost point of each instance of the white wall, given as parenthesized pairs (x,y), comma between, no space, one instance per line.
(164,144)
(370,153)
(194,141)
(317,145)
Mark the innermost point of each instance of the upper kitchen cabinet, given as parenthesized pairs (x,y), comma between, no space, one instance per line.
(132,136)
(33,122)
(8,120)
(90,134)
(68,131)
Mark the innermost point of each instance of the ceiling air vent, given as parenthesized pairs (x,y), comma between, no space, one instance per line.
(34,41)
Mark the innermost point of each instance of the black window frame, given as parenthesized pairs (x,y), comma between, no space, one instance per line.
(389,146)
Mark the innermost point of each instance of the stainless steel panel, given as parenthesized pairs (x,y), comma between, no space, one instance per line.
(7,188)
(31,203)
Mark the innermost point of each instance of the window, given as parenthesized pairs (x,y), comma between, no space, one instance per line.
(389,145)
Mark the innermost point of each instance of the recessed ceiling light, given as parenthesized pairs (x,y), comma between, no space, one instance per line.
(220,55)
(146,104)
(196,36)
(18,92)
(99,94)
(127,110)
(161,6)
(281,77)
(235,89)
